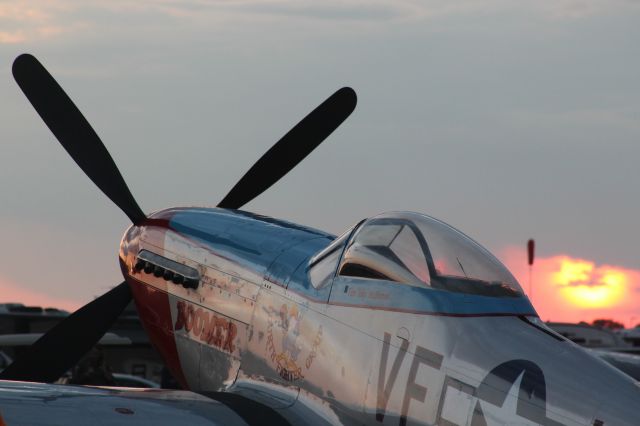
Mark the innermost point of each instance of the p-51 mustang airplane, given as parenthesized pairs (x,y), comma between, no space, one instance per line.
(400,320)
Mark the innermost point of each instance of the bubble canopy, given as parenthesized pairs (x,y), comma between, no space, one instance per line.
(418,250)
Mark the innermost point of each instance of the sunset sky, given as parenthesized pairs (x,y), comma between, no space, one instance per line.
(508,120)
(570,289)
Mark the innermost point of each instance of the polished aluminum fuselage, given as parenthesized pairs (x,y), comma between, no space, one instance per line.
(357,351)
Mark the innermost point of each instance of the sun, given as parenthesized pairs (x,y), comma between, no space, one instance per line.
(586,286)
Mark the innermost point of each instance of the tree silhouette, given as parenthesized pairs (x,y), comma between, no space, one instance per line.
(607,323)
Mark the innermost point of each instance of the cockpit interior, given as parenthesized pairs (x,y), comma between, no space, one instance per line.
(417,250)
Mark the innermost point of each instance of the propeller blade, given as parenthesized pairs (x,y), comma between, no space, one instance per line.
(74,132)
(65,344)
(292,148)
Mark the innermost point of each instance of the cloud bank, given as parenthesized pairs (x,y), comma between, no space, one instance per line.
(570,289)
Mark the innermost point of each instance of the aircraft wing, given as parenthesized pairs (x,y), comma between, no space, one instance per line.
(24,403)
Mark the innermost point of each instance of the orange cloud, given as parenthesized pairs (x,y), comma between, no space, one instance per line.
(12,293)
(565,288)
(37,20)
(11,37)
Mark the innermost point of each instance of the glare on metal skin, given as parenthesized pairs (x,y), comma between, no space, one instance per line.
(332,348)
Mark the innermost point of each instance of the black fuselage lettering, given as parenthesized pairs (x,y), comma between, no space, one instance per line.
(414,390)
(384,388)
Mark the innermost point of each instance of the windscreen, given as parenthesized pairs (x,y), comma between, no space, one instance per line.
(416,249)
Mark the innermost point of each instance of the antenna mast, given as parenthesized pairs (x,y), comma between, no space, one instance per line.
(531,245)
